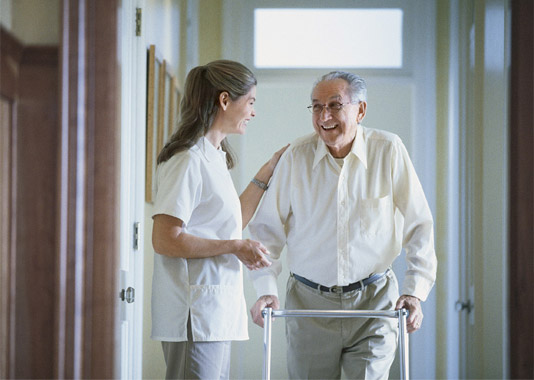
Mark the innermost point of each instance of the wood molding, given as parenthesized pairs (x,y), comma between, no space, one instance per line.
(88,215)
(40,55)
(6,249)
(521,225)
(28,157)
(10,56)
(36,166)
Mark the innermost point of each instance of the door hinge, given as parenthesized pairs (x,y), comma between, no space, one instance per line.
(136,238)
(138,16)
(127,295)
(466,305)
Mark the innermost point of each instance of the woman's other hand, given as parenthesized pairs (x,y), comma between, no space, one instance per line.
(276,157)
(266,171)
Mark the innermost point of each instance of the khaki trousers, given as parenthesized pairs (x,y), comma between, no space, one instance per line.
(319,348)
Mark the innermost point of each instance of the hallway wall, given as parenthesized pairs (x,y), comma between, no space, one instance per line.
(164,22)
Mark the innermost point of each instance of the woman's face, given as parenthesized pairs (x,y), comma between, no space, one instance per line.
(239,112)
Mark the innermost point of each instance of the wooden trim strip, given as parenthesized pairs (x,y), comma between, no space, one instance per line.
(89,197)
(5,235)
(521,221)
(10,56)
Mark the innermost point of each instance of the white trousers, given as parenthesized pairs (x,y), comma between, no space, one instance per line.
(197,360)
(319,348)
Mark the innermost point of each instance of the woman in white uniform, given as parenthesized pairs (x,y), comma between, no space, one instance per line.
(198,305)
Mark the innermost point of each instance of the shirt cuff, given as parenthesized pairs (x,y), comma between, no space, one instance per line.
(265,285)
(417,287)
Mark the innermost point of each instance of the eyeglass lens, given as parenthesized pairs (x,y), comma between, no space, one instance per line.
(332,107)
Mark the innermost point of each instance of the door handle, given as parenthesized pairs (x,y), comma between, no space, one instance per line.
(127,295)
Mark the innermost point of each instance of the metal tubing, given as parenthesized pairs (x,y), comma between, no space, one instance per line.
(400,315)
(403,346)
(337,313)
(267,323)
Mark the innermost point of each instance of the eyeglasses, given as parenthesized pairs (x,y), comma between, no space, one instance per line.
(332,107)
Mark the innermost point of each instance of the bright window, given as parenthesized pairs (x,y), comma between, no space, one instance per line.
(319,38)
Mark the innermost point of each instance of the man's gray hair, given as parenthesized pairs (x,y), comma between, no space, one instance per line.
(357,86)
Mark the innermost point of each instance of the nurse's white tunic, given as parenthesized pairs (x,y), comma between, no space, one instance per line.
(195,186)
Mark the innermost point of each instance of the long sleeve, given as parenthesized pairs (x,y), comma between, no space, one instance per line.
(418,235)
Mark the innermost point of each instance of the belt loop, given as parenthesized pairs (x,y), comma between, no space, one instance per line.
(361,285)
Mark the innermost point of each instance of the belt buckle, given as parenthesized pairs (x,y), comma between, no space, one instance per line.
(336,289)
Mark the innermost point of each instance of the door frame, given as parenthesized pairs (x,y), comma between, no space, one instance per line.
(133,64)
(10,51)
(521,190)
(477,133)
(88,192)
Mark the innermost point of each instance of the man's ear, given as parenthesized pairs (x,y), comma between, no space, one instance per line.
(361,111)
(224,99)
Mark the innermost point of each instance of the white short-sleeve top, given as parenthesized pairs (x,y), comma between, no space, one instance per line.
(195,186)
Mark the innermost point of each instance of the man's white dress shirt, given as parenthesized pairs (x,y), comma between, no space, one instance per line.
(343,224)
(195,187)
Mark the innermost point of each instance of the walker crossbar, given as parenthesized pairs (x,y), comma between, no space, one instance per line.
(400,315)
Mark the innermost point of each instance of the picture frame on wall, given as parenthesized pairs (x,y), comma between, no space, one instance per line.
(163,104)
(151,117)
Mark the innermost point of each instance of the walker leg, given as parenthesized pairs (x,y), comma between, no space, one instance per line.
(267,321)
(403,346)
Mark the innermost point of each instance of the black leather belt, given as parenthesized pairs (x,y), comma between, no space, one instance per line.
(340,289)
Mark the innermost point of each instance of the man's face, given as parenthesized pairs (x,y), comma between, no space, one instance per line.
(336,126)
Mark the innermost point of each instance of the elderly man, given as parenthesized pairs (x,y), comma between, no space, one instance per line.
(333,201)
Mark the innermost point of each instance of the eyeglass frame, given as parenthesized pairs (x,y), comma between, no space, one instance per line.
(326,106)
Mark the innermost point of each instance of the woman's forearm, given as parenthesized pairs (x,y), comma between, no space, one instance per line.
(192,247)
(251,196)
(169,239)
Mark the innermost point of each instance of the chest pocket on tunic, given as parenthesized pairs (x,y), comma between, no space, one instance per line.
(376,216)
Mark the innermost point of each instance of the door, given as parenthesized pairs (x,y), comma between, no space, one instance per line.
(133,65)
(484,41)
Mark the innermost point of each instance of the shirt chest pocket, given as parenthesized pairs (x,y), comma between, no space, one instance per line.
(376,216)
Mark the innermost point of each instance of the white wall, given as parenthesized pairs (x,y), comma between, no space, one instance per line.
(5,13)
(33,22)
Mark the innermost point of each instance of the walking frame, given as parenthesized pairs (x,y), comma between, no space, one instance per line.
(400,315)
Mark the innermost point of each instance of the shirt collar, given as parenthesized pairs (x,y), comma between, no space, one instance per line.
(357,149)
(209,151)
